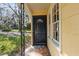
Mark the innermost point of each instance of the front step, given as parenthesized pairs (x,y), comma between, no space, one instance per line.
(37,51)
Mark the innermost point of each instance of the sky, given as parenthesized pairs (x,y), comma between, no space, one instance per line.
(2,5)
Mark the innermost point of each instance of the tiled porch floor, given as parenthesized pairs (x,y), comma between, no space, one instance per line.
(37,51)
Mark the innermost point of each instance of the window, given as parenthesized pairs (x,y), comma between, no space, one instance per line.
(49,24)
(56,22)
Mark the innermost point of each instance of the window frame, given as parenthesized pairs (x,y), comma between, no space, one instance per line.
(55,21)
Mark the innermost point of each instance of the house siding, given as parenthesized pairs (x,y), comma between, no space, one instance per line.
(70,29)
(69,41)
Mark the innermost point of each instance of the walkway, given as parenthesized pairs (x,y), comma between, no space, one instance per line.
(37,51)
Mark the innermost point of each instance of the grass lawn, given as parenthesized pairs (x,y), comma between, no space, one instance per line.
(16,30)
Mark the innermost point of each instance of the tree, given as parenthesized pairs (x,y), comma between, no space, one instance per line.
(1,9)
(10,17)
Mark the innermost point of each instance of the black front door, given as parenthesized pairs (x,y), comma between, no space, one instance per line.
(39,30)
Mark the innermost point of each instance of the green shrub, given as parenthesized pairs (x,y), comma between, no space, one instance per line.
(6,28)
(28,26)
(15,39)
(9,45)
(6,47)
(1,26)
(28,38)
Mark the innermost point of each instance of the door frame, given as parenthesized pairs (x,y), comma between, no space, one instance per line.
(33,28)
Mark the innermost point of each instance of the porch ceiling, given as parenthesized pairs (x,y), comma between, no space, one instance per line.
(38,8)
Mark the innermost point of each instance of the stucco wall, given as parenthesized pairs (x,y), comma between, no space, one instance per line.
(70,29)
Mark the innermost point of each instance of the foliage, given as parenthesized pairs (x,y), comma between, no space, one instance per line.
(28,26)
(28,38)
(6,28)
(9,45)
(6,46)
(10,16)
(14,30)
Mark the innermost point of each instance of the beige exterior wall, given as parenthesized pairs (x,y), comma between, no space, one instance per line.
(70,29)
